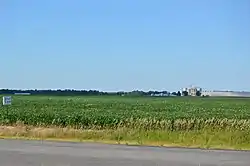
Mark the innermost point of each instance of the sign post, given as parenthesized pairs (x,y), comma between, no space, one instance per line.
(7,100)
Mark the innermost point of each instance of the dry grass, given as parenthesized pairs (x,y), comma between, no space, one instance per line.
(199,139)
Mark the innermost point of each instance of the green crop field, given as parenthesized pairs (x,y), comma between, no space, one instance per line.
(169,113)
(179,121)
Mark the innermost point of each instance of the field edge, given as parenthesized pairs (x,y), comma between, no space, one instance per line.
(195,139)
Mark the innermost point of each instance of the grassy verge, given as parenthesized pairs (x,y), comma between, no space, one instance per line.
(210,139)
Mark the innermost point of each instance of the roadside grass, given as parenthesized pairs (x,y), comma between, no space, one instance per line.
(208,139)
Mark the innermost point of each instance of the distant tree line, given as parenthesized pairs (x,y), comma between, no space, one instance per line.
(70,92)
(66,92)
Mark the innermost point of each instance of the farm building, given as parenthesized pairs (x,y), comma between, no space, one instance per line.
(192,90)
(226,93)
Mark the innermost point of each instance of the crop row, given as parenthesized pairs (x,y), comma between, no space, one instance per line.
(101,122)
(100,113)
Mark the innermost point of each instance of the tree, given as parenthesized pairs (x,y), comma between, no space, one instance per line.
(198,93)
(178,93)
(174,93)
(185,93)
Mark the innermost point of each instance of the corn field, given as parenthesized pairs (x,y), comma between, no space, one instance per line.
(137,113)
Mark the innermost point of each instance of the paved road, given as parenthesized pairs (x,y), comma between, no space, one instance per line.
(38,153)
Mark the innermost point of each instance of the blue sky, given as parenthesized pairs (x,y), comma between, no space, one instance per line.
(125,45)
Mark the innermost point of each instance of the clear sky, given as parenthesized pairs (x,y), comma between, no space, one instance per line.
(125,44)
